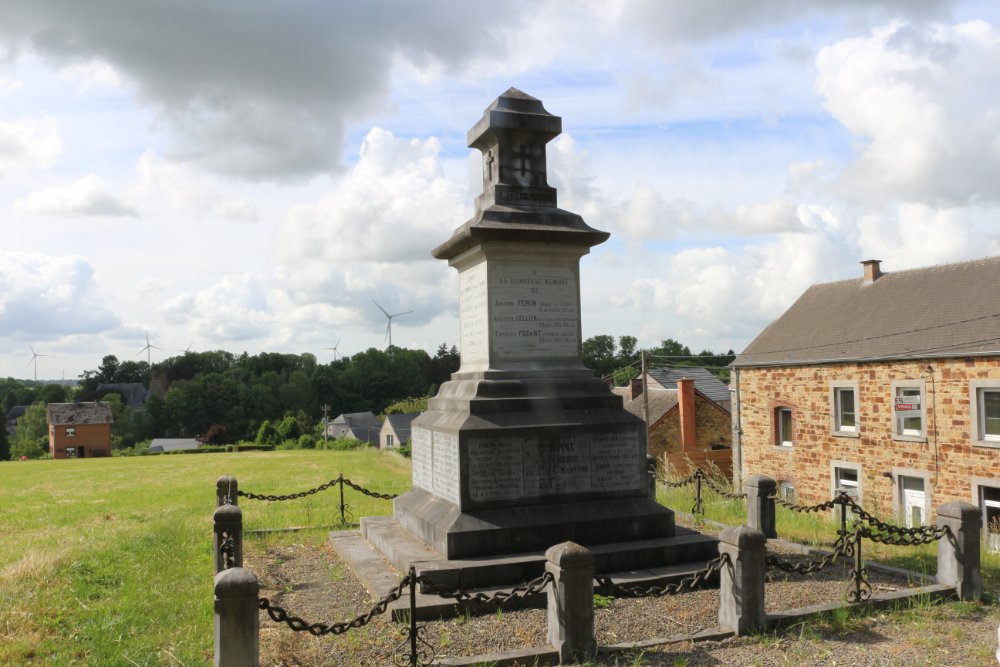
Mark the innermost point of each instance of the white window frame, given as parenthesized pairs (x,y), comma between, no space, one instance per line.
(836,425)
(977,413)
(834,479)
(979,484)
(898,431)
(786,491)
(70,431)
(784,439)
(388,440)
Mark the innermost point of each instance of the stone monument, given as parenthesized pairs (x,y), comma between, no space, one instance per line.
(524,448)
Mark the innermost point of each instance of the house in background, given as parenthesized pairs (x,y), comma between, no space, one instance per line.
(363,426)
(686,428)
(705,382)
(166,445)
(79,430)
(886,386)
(13,415)
(396,430)
(133,394)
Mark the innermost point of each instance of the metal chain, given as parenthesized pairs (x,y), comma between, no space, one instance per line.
(291,496)
(688,583)
(830,504)
(227,547)
(533,587)
(842,548)
(721,491)
(906,537)
(279,615)
(372,494)
(684,482)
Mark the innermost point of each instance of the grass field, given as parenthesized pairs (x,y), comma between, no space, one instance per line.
(109,561)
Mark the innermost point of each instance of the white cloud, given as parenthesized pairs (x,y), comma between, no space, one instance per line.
(92,74)
(42,295)
(28,143)
(234,309)
(918,236)
(238,209)
(87,196)
(925,100)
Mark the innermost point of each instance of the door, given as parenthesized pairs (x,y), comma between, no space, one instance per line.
(990,504)
(913,500)
(79,452)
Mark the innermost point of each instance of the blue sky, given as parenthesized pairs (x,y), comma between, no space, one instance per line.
(249,177)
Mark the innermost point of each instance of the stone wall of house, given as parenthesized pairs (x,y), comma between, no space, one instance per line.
(95,438)
(713,426)
(947,455)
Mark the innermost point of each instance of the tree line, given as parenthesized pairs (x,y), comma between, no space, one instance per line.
(222,397)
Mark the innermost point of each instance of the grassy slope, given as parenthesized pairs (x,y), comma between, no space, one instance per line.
(108,561)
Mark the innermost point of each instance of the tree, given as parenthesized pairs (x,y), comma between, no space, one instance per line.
(32,436)
(599,354)
(623,376)
(626,350)
(266,434)
(407,406)
(4,443)
(289,429)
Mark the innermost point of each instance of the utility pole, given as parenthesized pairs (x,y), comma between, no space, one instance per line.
(645,397)
(326,412)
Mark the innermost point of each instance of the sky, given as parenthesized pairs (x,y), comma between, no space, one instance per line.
(250,176)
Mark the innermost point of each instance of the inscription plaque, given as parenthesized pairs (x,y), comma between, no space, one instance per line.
(473,313)
(445,466)
(534,310)
(495,468)
(618,458)
(421,458)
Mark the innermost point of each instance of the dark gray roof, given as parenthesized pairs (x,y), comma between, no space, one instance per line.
(400,423)
(952,310)
(172,444)
(134,392)
(80,413)
(661,401)
(16,412)
(363,426)
(710,386)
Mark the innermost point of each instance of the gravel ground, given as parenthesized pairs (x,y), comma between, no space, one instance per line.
(310,582)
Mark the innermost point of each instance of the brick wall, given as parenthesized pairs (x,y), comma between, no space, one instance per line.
(946,456)
(94,438)
(713,425)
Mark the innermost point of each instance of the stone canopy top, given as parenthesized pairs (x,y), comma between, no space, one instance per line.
(517,203)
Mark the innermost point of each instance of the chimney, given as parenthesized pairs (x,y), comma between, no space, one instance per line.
(872,270)
(635,388)
(685,406)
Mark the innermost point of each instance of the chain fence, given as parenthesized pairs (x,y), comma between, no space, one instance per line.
(699,578)
(340,481)
(413,651)
(698,478)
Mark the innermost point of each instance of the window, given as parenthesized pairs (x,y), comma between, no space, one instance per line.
(846,479)
(844,408)
(909,410)
(989,414)
(912,500)
(388,440)
(989,501)
(783,421)
(984,408)
(70,432)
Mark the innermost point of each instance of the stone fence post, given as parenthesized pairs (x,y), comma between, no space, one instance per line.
(571,602)
(225,491)
(741,581)
(237,624)
(760,504)
(958,553)
(228,524)
(651,473)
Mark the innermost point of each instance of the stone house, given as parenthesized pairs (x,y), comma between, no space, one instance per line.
(363,426)
(79,430)
(705,382)
(396,430)
(887,386)
(687,428)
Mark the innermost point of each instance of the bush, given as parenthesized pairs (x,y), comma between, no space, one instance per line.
(251,447)
(266,434)
(287,444)
(307,441)
(343,444)
(289,429)
(33,449)
(405,450)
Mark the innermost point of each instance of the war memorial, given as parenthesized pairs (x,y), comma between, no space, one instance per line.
(524,448)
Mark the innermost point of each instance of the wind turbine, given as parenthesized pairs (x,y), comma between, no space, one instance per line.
(336,353)
(388,329)
(185,350)
(149,350)
(34,359)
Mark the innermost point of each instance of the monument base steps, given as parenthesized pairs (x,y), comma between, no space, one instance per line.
(384,551)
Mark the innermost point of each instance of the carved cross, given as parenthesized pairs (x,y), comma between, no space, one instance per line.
(524,154)
(489,166)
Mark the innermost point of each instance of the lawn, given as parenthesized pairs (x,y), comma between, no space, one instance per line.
(109,561)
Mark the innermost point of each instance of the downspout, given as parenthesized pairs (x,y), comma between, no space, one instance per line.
(737,434)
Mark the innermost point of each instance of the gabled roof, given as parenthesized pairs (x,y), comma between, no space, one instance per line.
(710,386)
(400,423)
(952,310)
(80,413)
(16,412)
(661,401)
(363,426)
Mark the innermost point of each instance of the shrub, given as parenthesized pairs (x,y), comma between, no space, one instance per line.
(405,450)
(243,446)
(307,441)
(33,449)
(287,444)
(266,434)
(289,429)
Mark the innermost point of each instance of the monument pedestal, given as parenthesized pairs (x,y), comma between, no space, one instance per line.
(524,448)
